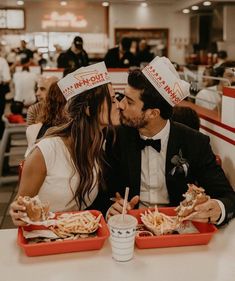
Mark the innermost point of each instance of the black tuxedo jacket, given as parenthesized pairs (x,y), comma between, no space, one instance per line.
(124,157)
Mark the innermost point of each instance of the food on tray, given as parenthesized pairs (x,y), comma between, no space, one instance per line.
(35,209)
(66,226)
(193,197)
(158,223)
(74,237)
(144,233)
(70,224)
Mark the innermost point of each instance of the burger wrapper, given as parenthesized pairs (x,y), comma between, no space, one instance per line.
(49,222)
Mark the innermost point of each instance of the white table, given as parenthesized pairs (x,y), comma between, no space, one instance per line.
(212,262)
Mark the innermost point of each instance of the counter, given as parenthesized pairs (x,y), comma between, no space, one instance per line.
(212,262)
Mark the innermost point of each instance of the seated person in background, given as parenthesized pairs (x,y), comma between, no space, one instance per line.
(222,57)
(210,96)
(66,168)
(52,114)
(144,54)
(25,82)
(147,145)
(229,72)
(16,115)
(187,116)
(43,86)
(121,57)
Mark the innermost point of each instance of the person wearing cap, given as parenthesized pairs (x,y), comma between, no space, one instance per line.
(75,56)
(67,167)
(155,157)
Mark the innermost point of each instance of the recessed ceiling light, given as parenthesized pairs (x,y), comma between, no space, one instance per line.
(195,8)
(186,11)
(105,4)
(206,3)
(20,3)
(63,3)
(144,4)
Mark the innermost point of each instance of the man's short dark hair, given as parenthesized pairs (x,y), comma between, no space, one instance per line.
(149,95)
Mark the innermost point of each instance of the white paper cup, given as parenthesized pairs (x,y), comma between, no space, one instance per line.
(122,236)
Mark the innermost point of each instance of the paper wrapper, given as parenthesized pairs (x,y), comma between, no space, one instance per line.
(49,222)
(43,233)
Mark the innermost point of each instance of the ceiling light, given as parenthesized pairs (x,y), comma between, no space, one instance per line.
(206,3)
(195,8)
(20,3)
(105,4)
(186,11)
(63,3)
(144,4)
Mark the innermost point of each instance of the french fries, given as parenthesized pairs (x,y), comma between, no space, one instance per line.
(70,224)
(158,223)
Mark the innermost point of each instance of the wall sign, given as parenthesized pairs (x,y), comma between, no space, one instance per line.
(54,19)
(12,19)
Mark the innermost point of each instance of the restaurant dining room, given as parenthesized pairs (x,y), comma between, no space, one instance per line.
(117,140)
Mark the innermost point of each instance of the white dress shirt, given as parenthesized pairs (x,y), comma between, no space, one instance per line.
(153,188)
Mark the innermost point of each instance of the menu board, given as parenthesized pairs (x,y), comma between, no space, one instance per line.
(12,19)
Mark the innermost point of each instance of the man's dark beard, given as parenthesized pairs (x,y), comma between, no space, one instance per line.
(137,123)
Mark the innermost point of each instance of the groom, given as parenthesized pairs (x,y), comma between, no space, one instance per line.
(156,157)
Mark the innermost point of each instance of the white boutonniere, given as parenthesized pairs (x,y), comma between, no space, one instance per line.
(181,165)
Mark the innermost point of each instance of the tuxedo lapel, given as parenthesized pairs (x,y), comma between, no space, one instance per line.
(176,184)
(173,147)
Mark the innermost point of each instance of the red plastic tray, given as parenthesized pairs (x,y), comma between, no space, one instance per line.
(205,234)
(59,247)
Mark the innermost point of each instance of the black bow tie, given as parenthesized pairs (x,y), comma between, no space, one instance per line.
(156,144)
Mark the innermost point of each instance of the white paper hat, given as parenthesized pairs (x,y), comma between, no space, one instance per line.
(163,76)
(83,79)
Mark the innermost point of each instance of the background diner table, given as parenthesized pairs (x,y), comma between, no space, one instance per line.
(212,262)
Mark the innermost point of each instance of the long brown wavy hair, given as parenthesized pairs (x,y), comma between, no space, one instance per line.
(86,138)
(53,112)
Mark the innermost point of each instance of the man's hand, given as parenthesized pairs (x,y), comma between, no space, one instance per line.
(116,208)
(206,212)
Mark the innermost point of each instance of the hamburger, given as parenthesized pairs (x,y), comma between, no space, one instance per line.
(35,209)
(193,197)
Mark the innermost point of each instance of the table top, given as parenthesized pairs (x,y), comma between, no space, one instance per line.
(215,261)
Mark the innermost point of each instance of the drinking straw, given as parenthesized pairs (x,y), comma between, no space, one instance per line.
(125,202)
